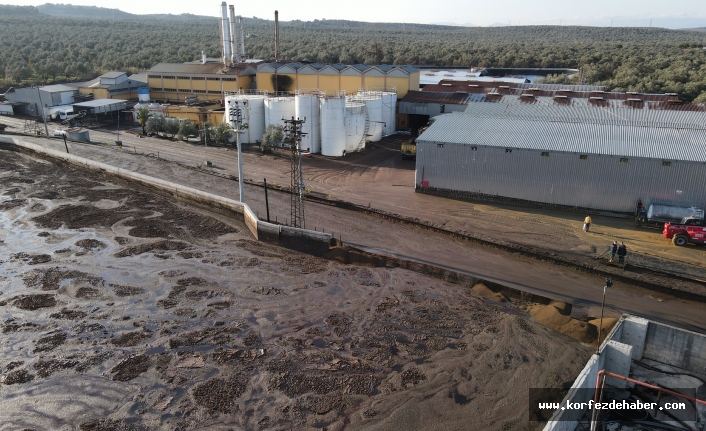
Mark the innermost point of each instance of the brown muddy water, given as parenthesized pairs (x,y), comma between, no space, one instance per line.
(122,310)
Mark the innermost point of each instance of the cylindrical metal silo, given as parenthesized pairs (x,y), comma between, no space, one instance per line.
(374,112)
(277,108)
(333,131)
(307,107)
(389,112)
(355,126)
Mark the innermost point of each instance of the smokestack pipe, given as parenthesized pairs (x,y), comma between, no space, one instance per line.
(203,57)
(276,36)
(225,32)
(233,37)
(242,38)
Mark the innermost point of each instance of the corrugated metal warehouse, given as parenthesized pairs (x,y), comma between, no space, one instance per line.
(594,164)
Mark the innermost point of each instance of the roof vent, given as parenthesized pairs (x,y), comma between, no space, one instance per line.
(473,85)
(559,96)
(533,89)
(566,90)
(504,86)
(447,85)
(461,92)
(596,98)
(526,95)
(634,100)
(670,94)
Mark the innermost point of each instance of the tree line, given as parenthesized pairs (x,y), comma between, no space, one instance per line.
(42,49)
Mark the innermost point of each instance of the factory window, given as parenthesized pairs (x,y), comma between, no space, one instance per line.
(154,76)
(230,79)
(439,145)
(198,91)
(182,77)
(545,153)
(508,150)
(666,163)
(214,79)
(583,157)
(168,77)
(173,90)
(623,160)
(196,78)
(474,148)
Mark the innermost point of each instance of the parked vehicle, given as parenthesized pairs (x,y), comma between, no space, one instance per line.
(656,215)
(688,230)
(409,149)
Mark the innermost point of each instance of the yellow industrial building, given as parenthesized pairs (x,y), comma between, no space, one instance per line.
(332,78)
(113,85)
(169,82)
(209,81)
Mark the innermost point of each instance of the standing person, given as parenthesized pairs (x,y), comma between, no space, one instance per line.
(613,250)
(587,223)
(622,252)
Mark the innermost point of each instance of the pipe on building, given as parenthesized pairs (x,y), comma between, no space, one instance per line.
(242,38)
(603,373)
(225,33)
(234,57)
(276,36)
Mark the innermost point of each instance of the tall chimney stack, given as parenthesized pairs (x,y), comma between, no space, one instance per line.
(225,33)
(276,36)
(242,38)
(233,37)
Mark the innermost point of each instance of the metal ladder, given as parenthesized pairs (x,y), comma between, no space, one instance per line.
(365,132)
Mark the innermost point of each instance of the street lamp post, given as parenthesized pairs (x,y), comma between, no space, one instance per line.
(608,283)
(236,117)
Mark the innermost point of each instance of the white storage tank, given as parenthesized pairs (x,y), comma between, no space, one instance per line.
(333,132)
(143,94)
(307,107)
(373,109)
(355,126)
(277,108)
(252,108)
(389,112)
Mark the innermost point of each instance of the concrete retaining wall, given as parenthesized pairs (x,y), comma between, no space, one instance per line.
(676,347)
(303,240)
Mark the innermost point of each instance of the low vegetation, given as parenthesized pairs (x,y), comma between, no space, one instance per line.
(39,48)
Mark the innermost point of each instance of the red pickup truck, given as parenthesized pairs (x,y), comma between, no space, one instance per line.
(689,230)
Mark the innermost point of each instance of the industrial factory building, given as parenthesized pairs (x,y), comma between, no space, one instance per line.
(596,164)
(333,78)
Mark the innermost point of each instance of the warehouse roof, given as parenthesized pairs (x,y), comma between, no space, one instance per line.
(666,143)
(582,111)
(57,88)
(457,98)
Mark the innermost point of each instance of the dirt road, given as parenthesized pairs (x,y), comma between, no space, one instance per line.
(557,282)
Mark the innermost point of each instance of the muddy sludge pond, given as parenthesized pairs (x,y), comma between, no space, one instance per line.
(122,310)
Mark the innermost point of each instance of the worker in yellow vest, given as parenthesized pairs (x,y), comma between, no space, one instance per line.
(587,223)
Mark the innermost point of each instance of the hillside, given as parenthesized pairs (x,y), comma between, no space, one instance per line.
(625,59)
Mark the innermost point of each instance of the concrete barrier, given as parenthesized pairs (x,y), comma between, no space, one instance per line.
(303,240)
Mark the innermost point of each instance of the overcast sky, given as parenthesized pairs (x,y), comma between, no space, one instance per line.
(483,13)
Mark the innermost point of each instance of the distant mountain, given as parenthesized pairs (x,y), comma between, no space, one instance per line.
(94,12)
(10,10)
(453,24)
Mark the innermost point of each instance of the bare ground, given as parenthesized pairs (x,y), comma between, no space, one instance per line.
(149,315)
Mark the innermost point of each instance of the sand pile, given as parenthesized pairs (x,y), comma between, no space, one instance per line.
(485,291)
(608,323)
(553,318)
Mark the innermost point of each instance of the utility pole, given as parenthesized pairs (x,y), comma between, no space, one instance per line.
(608,283)
(236,118)
(293,131)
